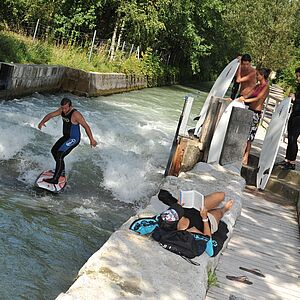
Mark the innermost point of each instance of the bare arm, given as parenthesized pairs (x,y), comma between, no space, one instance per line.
(240,78)
(261,96)
(206,228)
(80,119)
(48,117)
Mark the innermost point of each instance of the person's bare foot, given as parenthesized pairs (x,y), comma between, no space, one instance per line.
(228,205)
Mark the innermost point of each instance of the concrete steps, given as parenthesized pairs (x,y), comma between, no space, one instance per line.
(283,188)
(284,183)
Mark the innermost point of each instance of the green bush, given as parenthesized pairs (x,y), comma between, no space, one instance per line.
(19,49)
(212,278)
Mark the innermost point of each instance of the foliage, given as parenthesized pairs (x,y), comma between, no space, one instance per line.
(195,37)
(212,279)
(14,48)
(286,77)
(19,49)
(266,29)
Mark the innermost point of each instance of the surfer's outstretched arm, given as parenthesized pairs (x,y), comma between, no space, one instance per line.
(80,119)
(48,117)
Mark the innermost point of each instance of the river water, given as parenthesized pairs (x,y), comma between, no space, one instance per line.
(46,238)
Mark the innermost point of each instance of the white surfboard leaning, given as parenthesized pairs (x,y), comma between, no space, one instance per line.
(271,143)
(219,89)
(186,115)
(217,141)
(54,188)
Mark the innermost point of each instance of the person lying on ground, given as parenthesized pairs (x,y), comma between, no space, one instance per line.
(205,221)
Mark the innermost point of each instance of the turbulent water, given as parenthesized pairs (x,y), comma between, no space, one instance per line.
(46,238)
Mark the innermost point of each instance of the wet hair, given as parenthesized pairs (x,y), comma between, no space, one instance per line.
(264,72)
(65,101)
(297,70)
(246,57)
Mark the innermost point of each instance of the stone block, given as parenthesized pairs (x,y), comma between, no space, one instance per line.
(283,189)
(236,135)
(191,156)
(249,174)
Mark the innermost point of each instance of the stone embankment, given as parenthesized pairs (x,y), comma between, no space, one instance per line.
(17,80)
(130,266)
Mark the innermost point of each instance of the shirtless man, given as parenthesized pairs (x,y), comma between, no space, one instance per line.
(245,75)
(71,135)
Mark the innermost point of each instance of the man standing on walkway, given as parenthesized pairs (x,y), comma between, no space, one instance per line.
(293,129)
(72,119)
(245,77)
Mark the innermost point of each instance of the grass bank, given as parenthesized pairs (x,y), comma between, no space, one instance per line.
(18,48)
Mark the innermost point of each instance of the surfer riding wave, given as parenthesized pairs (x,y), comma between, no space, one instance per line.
(72,119)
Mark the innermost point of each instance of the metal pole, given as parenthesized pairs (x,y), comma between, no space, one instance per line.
(131,49)
(123,46)
(36,28)
(168,59)
(92,45)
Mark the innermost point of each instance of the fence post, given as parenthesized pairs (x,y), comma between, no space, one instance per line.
(91,51)
(131,49)
(138,52)
(35,30)
(168,60)
(123,46)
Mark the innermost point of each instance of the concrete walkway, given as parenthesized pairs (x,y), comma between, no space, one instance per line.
(266,237)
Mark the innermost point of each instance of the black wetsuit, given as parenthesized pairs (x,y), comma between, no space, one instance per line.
(294,128)
(69,140)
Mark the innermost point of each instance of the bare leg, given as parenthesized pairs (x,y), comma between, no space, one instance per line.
(218,213)
(213,200)
(246,153)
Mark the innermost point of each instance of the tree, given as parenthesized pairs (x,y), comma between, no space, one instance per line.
(265,29)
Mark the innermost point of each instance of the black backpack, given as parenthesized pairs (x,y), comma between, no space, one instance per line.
(180,242)
(166,197)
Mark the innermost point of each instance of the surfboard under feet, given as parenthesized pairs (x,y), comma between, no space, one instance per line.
(54,188)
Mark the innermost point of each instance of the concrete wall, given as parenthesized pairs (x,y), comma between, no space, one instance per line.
(17,80)
(236,136)
(94,84)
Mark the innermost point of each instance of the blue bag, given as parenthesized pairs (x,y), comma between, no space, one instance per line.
(144,225)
